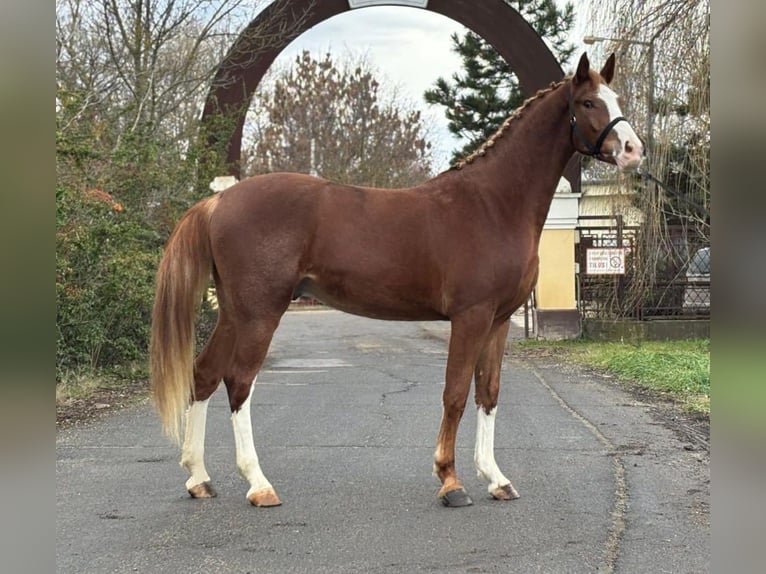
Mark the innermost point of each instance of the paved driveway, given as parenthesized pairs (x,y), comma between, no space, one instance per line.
(346,414)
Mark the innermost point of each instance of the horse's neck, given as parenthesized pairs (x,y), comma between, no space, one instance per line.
(521,170)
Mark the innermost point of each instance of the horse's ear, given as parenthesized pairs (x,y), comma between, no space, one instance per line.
(607,72)
(583,69)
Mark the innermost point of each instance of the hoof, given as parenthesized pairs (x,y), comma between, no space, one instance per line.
(456,498)
(265,497)
(202,490)
(506,492)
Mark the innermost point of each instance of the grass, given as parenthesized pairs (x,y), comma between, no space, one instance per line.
(88,383)
(77,386)
(680,369)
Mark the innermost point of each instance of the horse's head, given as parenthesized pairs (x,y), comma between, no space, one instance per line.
(598,128)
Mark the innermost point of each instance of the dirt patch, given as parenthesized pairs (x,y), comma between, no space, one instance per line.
(691,428)
(100,402)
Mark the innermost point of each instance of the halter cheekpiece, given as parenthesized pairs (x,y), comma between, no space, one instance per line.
(593,150)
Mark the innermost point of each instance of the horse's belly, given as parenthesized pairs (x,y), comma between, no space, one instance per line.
(369,301)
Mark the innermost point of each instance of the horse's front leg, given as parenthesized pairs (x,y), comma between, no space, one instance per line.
(487,389)
(469,331)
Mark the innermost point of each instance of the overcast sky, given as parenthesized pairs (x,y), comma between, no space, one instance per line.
(409,46)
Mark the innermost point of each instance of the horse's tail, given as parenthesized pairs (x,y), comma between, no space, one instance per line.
(182,277)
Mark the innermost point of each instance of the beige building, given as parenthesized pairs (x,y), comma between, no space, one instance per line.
(555,315)
(609,197)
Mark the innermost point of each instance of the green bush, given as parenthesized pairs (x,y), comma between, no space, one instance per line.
(117,200)
(105,265)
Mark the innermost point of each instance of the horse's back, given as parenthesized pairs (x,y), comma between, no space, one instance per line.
(279,205)
(364,250)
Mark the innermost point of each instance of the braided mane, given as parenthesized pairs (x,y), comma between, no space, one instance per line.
(516,115)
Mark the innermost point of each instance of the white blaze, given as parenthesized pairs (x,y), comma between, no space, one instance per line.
(624,130)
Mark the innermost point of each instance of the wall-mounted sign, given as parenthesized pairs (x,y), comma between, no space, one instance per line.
(364,3)
(607,261)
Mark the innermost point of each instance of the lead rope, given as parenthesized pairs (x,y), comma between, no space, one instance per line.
(646,175)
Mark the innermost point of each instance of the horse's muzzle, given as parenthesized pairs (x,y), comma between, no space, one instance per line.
(630,157)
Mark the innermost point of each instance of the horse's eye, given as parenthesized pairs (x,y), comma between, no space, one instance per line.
(588,104)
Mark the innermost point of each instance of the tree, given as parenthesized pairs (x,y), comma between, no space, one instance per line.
(131,80)
(663,55)
(131,76)
(679,61)
(153,59)
(486,92)
(319,117)
(677,70)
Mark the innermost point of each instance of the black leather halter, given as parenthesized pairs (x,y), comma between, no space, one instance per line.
(593,150)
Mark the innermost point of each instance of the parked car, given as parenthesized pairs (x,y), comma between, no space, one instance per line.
(697,290)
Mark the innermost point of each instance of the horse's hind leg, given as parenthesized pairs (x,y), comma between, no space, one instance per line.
(487,379)
(252,344)
(198,484)
(208,372)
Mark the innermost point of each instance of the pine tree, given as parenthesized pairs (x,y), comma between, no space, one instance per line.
(479,99)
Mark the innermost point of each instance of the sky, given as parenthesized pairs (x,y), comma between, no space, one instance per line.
(410,48)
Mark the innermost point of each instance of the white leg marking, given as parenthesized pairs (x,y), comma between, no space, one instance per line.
(484,455)
(193,450)
(247,459)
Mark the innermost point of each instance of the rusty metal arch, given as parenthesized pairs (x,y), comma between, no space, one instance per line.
(284,20)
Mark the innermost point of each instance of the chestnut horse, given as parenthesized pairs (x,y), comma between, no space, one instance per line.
(461,247)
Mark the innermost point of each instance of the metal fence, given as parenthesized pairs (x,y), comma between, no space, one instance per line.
(681,289)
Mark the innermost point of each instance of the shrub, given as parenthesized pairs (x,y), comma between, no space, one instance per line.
(105,265)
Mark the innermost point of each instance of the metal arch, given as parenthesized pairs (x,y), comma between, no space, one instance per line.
(246,63)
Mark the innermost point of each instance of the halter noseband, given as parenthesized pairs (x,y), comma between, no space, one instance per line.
(593,150)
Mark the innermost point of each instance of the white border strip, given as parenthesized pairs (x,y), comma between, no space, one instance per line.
(365,3)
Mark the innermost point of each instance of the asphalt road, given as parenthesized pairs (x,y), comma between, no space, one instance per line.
(346,414)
